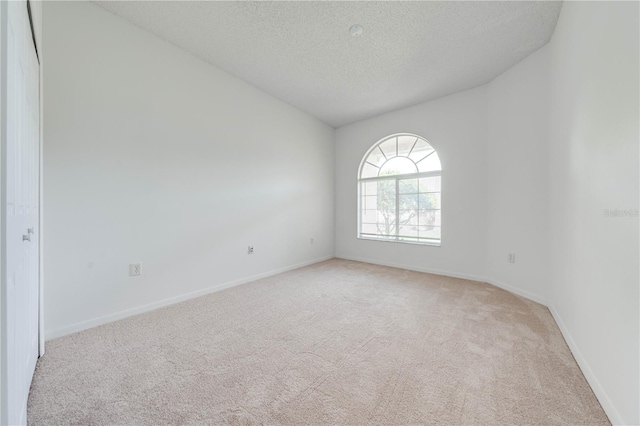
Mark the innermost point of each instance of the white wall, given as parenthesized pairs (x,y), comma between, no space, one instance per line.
(152,155)
(593,160)
(494,154)
(517,182)
(456,127)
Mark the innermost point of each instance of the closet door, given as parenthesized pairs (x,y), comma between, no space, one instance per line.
(21,179)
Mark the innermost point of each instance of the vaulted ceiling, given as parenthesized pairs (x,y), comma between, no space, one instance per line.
(303,53)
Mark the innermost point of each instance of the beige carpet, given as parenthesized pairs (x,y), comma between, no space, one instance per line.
(338,342)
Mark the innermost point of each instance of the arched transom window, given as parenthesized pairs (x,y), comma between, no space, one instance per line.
(399,191)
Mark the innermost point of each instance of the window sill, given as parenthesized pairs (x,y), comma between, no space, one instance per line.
(415,243)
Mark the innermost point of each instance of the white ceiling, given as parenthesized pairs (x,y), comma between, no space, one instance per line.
(303,54)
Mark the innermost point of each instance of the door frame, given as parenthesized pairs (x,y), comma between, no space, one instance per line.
(37,27)
(3,203)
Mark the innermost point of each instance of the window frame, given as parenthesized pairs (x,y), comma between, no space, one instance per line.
(397,178)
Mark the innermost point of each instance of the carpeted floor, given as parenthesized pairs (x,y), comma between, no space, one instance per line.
(338,342)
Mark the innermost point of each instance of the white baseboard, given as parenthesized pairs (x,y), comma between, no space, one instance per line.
(472,277)
(416,268)
(105,319)
(608,407)
(523,293)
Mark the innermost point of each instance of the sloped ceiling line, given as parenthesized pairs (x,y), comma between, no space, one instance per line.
(303,53)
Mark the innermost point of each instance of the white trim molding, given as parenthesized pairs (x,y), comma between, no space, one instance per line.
(608,407)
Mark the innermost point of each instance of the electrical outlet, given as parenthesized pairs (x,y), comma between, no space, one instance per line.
(250,250)
(511,258)
(135,269)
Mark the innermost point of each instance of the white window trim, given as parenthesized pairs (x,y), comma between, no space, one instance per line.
(397,178)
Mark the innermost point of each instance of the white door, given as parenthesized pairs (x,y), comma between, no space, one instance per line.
(21,189)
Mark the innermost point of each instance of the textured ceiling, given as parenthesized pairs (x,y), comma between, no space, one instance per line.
(303,54)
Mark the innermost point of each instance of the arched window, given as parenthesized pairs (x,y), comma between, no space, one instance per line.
(399,191)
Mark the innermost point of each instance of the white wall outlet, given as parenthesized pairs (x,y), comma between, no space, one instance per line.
(511,258)
(135,269)
(250,250)
(311,241)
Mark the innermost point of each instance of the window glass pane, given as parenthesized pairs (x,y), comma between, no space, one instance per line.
(389,148)
(398,166)
(369,228)
(408,201)
(438,202)
(405,143)
(408,231)
(420,150)
(387,191)
(429,219)
(369,216)
(409,217)
(431,233)
(437,221)
(386,228)
(430,184)
(369,171)
(369,202)
(369,188)
(408,186)
(386,206)
(429,201)
(376,158)
(430,163)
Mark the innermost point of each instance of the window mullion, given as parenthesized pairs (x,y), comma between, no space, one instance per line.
(397,208)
